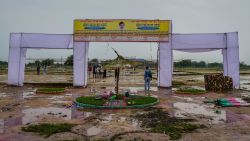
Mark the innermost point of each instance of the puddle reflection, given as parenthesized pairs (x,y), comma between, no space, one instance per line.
(186,109)
(8,122)
(107,119)
(245,84)
(2,95)
(92,131)
(129,89)
(34,114)
(1,125)
(30,94)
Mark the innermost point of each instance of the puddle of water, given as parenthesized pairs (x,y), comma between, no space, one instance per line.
(155,96)
(174,89)
(3,95)
(135,123)
(233,117)
(34,114)
(61,102)
(180,72)
(8,122)
(245,84)
(87,114)
(68,94)
(197,109)
(92,131)
(122,119)
(198,87)
(195,87)
(201,78)
(188,99)
(242,77)
(92,90)
(132,89)
(108,118)
(1,125)
(79,113)
(29,94)
(56,97)
(136,89)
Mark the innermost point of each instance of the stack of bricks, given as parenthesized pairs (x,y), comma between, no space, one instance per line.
(218,82)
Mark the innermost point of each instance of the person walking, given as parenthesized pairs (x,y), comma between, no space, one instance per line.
(94,71)
(104,73)
(44,69)
(147,78)
(100,72)
(38,67)
(89,70)
(98,69)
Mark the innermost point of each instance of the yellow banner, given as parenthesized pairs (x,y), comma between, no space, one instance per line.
(121,30)
(122,26)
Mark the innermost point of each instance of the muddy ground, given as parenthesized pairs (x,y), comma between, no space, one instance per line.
(21,106)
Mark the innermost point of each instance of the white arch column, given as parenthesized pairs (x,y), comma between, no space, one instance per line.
(80,63)
(165,66)
(16,62)
(231,58)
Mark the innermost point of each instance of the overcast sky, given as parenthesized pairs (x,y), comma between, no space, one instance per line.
(188,16)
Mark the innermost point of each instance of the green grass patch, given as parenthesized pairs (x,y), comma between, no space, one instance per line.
(50,90)
(187,90)
(160,122)
(141,100)
(175,130)
(177,83)
(90,100)
(48,129)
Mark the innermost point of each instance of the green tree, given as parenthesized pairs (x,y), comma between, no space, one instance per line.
(215,64)
(69,61)
(201,64)
(3,63)
(94,61)
(37,62)
(47,62)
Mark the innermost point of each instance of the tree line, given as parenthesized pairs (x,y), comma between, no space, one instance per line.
(183,63)
(202,64)
(198,64)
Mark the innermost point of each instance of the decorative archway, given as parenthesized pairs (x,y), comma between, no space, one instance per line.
(227,42)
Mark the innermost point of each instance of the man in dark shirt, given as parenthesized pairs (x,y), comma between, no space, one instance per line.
(147,78)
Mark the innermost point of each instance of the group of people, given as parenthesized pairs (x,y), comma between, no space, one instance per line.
(38,68)
(98,71)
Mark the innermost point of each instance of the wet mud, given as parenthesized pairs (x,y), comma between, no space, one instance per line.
(21,107)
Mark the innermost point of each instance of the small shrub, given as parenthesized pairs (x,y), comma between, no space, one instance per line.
(141,100)
(187,90)
(160,122)
(177,83)
(119,96)
(50,90)
(48,129)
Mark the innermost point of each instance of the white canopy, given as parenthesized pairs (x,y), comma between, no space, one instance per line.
(227,42)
